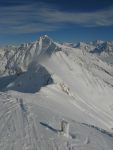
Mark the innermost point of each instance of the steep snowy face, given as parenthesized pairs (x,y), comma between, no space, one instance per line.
(25,54)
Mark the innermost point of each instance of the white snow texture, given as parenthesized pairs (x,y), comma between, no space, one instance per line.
(44,83)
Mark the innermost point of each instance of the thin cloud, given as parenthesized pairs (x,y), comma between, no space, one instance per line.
(31,18)
(98,18)
(27,28)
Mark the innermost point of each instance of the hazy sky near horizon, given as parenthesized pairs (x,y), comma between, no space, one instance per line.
(63,20)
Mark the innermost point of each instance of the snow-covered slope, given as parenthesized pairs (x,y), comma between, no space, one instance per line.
(43,83)
(33,123)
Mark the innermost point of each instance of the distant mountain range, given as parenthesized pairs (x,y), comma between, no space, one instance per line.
(103,49)
(97,47)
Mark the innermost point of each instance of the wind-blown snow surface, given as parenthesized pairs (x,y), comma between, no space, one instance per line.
(43,83)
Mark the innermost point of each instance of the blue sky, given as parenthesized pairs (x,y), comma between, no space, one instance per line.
(63,20)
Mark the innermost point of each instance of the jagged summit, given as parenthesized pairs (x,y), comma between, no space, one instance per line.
(44,38)
(23,55)
(97,42)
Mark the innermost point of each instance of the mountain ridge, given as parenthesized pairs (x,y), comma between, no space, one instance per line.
(45,85)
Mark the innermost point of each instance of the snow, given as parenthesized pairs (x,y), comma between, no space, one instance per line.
(44,83)
(102,49)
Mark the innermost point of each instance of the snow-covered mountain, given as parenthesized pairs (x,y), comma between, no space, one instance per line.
(44,83)
(96,46)
(19,58)
(103,49)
